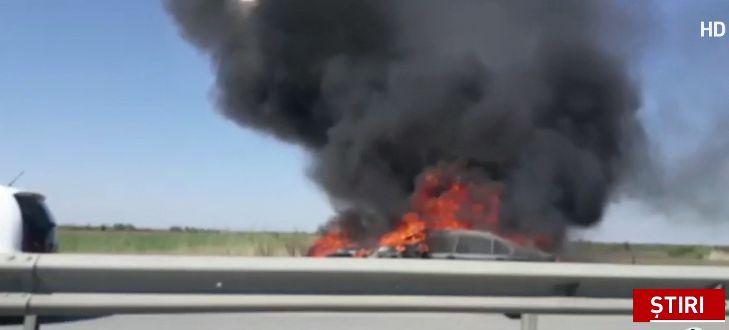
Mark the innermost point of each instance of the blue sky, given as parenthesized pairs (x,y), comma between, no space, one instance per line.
(108,111)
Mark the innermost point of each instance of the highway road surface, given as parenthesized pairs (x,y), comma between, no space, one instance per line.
(359,321)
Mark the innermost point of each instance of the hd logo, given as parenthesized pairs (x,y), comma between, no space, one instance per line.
(713,29)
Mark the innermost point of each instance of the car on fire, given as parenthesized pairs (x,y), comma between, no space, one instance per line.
(459,244)
(479,245)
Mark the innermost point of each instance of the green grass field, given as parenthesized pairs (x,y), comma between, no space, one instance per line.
(199,242)
(645,253)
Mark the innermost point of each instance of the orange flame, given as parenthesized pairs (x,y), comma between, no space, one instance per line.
(331,242)
(441,205)
(442,201)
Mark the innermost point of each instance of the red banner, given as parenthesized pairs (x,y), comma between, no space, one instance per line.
(675,305)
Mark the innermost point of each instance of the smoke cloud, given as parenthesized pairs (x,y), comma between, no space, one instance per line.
(532,94)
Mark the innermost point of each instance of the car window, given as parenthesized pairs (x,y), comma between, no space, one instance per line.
(501,248)
(442,243)
(474,244)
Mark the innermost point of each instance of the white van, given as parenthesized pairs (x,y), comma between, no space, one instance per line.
(26,224)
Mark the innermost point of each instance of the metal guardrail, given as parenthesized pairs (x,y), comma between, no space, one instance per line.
(339,276)
(104,304)
(108,284)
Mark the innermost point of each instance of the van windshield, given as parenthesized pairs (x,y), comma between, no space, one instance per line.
(38,225)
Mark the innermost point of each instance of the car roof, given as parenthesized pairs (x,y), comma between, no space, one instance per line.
(6,191)
(466,232)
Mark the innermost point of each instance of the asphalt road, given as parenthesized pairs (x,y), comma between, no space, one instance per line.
(358,321)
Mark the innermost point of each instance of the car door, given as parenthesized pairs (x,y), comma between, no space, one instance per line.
(442,244)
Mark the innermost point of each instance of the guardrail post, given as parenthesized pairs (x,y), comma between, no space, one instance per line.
(30,322)
(16,272)
(528,321)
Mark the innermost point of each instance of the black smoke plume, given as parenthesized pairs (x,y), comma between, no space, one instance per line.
(534,94)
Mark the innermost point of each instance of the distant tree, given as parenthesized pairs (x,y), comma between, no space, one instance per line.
(192,230)
(123,226)
(176,229)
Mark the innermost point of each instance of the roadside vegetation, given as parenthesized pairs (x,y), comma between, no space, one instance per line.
(129,240)
(126,239)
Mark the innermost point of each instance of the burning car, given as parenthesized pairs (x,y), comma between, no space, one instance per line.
(457,244)
(479,245)
(450,216)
